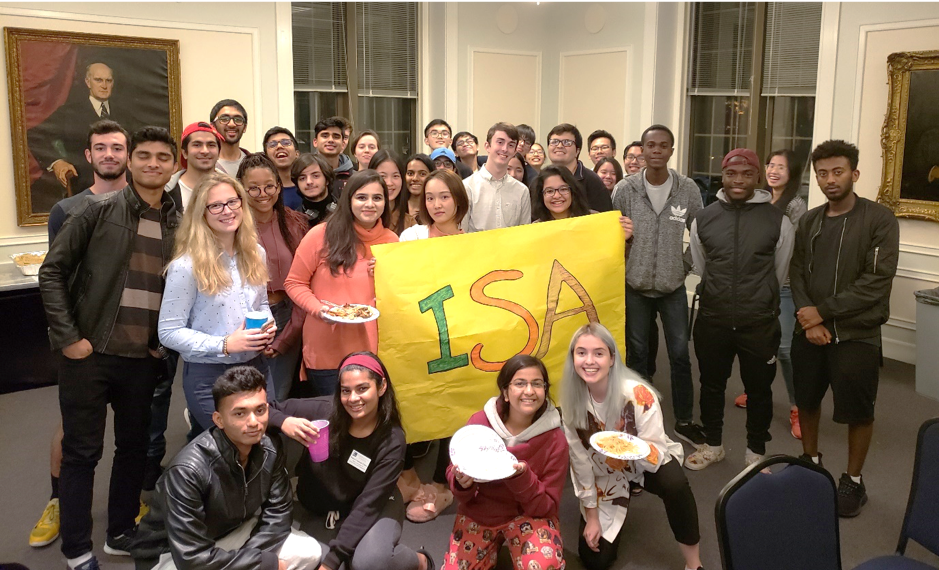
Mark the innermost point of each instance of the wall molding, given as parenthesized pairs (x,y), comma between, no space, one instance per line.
(649,52)
(450,69)
(825,86)
(630,74)
(471,57)
(283,24)
(863,32)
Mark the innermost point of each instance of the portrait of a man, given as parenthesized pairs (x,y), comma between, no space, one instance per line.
(921,149)
(64,82)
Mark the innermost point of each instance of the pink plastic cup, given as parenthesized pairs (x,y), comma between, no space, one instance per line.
(319,449)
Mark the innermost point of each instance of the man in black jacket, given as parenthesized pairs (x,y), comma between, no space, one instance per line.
(102,286)
(842,271)
(225,499)
(741,245)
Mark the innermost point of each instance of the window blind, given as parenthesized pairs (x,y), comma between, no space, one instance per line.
(319,53)
(722,48)
(790,59)
(386,34)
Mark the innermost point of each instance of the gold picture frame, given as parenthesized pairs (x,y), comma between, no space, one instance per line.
(50,76)
(910,183)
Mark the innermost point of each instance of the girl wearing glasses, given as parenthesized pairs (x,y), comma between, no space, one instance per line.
(332,267)
(217,274)
(557,195)
(522,510)
(280,230)
(444,202)
(600,394)
(535,156)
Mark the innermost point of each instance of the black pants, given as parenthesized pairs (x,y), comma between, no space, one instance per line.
(86,387)
(668,483)
(755,347)
(419,449)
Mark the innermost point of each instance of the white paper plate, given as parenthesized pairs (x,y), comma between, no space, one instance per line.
(373,310)
(643,448)
(479,452)
(31,268)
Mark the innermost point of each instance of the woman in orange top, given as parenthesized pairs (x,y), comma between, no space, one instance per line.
(332,266)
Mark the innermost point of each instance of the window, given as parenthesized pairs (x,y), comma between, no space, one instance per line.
(385,68)
(722,95)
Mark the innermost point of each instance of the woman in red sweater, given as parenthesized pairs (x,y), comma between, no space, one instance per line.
(521,511)
(331,265)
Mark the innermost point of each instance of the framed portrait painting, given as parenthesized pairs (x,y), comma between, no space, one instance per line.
(62,82)
(910,136)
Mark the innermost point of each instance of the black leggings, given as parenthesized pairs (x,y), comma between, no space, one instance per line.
(443,457)
(670,484)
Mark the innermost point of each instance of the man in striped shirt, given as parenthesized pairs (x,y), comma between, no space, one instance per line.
(101,287)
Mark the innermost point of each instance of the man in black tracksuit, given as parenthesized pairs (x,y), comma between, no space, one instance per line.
(842,270)
(741,246)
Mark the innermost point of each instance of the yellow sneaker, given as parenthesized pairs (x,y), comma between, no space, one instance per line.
(47,529)
(144,509)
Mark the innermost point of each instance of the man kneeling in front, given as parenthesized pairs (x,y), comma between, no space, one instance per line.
(225,500)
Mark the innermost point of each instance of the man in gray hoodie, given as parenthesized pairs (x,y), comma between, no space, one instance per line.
(661,204)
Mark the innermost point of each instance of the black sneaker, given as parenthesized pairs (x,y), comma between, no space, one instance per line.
(430,560)
(851,496)
(690,432)
(119,545)
(807,457)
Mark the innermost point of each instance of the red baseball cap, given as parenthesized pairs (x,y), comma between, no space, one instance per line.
(201,126)
(748,155)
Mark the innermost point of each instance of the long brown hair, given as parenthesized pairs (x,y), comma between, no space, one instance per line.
(342,246)
(260,160)
(197,239)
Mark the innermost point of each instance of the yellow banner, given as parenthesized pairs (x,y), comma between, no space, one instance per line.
(453,309)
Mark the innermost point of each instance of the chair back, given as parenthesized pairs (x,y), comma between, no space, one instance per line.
(779,521)
(920,520)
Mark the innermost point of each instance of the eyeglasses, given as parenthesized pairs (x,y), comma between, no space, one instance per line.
(465,143)
(225,119)
(443,163)
(536,152)
(286,143)
(562,190)
(600,148)
(561,142)
(635,158)
(218,207)
(522,384)
(255,191)
(438,134)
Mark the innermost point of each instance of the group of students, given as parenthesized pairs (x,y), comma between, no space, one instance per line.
(157,268)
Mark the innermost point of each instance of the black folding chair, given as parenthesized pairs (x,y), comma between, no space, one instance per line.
(922,508)
(781,520)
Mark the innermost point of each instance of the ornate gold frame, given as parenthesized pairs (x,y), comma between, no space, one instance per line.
(893,134)
(12,39)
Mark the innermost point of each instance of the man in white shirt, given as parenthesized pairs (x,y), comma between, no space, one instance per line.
(496,200)
(230,119)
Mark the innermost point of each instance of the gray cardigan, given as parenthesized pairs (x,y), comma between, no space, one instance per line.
(656,264)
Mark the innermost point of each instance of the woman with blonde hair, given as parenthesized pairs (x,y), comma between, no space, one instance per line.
(217,275)
(599,393)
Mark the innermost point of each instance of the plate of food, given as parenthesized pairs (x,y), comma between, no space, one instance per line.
(479,452)
(350,313)
(619,445)
(28,262)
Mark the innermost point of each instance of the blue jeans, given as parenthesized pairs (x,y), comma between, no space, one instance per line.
(673,310)
(787,324)
(198,380)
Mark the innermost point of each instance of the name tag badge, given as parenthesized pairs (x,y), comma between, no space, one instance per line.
(359,461)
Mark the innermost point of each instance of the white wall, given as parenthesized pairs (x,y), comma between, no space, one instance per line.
(852,90)
(235,50)
(549,29)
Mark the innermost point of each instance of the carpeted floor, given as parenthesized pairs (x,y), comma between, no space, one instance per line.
(27,421)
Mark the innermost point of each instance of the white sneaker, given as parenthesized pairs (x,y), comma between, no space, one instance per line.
(752,457)
(704,457)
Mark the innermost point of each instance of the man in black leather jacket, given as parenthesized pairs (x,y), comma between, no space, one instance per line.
(101,286)
(225,500)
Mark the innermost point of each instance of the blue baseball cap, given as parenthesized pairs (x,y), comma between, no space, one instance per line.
(443,151)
